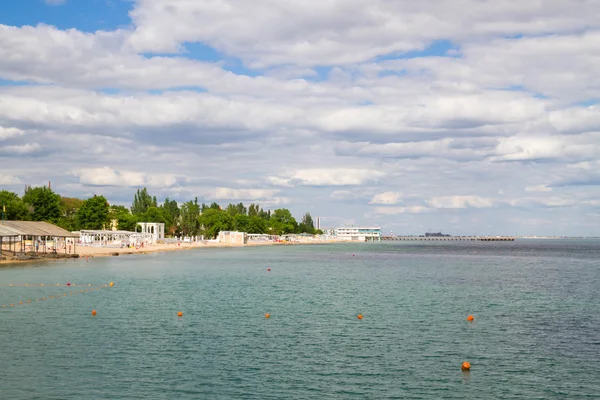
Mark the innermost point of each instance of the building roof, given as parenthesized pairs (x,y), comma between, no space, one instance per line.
(32,228)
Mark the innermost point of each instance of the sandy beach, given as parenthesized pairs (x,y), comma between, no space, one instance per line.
(89,251)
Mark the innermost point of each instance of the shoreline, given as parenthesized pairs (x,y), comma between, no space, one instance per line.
(91,252)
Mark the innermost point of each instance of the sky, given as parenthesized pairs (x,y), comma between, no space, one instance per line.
(465,117)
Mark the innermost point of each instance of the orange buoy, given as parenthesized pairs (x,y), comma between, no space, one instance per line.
(111,284)
(12,305)
(470,318)
(44,298)
(180,314)
(21,302)
(466,366)
(268,269)
(29,301)
(93,312)
(267,315)
(359,316)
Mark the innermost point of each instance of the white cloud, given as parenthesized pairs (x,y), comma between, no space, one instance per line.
(6,133)
(268,33)
(9,180)
(460,202)
(387,198)
(538,188)
(400,210)
(223,193)
(24,149)
(334,176)
(106,176)
(506,103)
(278,181)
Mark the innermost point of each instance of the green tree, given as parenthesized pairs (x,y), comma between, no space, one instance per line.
(213,221)
(190,214)
(257,225)
(16,209)
(93,213)
(125,221)
(68,212)
(155,214)
(282,222)
(306,225)
(172,213)
(45,204)
(142,201)
(241,223)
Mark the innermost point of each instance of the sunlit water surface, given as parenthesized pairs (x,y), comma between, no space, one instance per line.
(536,332)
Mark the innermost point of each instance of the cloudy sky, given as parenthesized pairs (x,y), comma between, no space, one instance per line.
(463,116)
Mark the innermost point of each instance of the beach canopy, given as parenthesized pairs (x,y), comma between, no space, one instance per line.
(32,228)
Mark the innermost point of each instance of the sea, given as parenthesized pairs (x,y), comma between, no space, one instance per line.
(535,333)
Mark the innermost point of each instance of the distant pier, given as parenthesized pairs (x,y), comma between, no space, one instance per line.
(451,238)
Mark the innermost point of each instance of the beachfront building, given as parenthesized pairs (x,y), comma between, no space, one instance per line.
(153,230)
(116,239)
(358,233)
(233,237)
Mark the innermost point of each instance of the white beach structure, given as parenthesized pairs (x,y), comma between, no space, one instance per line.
(233,237)
(153,230)
(358,233)
(151,233)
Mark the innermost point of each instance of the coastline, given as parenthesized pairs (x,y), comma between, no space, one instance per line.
(85,251)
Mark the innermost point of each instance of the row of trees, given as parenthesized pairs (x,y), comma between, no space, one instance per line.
(190,218)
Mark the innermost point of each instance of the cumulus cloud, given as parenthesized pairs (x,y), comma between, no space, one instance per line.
(223,193)
(400,210)
(538,188)
(335,114)
(9,180)
(6,133)
(386,198)
(106,176)
(328,177)
(460,202)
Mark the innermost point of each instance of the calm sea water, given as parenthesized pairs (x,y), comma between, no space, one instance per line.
(535,335)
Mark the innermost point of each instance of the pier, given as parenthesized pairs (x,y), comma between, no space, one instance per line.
(451,238)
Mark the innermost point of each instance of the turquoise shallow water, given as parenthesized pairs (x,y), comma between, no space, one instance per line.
(535,334)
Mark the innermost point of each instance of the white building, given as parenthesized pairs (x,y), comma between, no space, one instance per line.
(358,233)
(154,230)
(233,237)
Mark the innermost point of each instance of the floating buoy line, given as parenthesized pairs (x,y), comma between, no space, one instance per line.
(84,288)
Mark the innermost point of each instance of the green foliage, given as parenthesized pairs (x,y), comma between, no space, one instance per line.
(155,214)
(142,201)
(257,225)
(45,204)
(307,225)
(125,221)
(282,222)
(172,214)
(68,213)
(93,213)
(189,221)
(213,221)
(16,209)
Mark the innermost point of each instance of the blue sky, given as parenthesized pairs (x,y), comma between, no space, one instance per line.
(412,116)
